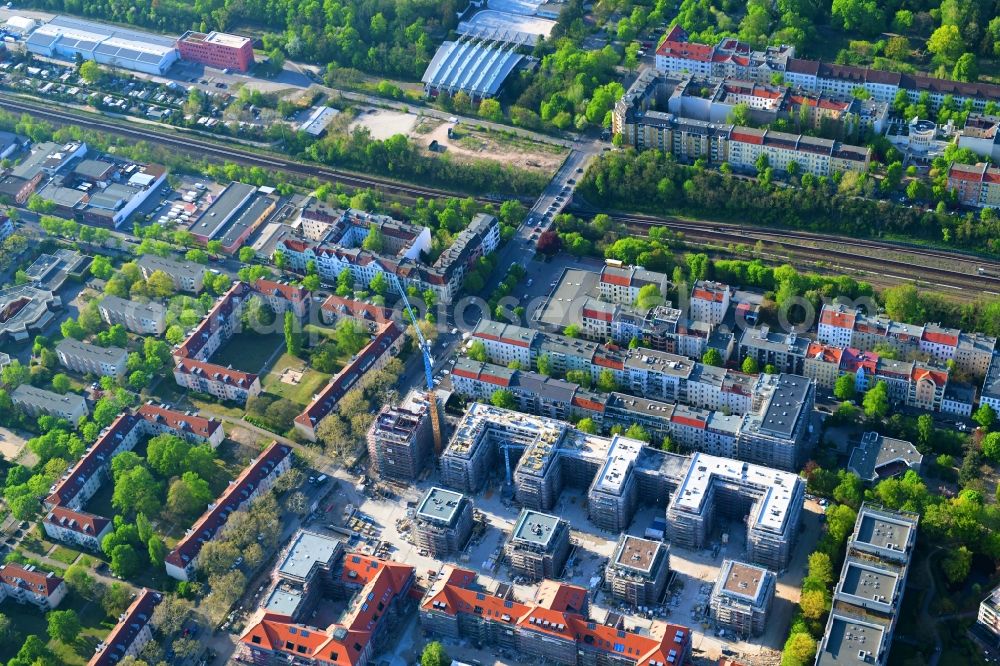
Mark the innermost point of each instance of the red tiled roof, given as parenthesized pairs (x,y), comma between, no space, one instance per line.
(825,353)
(232,498)
(160,415)
(77,521)
(837,318)
(216,373)
(212,321)
(608,362)
(950,339)
(125,632)
(595,314)
(585,403)
(342,382)
(939,377)
(686,51)
(688,421)
(92,462)
(295,294)
(744,137)
(494,379)
(36,581)
(358,309)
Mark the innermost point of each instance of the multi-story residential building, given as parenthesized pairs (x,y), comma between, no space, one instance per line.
(776,431)
(506,343)
(28,585)
(977,185)
(400,256)
(224,383)
(719,389)
(554,627)
(556,453)
(621,284)
(385,345)
(442,523)
(66,520)
(729,58)
(958,399)
(538,545)
(187,275)
(335,308)
(36,401)
(785,351)
(254,481)
(376,591)
(400,439)
(142,318)
(742,596)
(974,353)
(133,631)
(306,570)
(878,457)
(822,364)
(981,135)
(989,615)
(836,325)
(281,297)
(710,301)
(869,594)
(927,386)
(990,395)
(637,571)
(86,358)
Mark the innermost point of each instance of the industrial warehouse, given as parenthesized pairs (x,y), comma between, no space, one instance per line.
(477,67)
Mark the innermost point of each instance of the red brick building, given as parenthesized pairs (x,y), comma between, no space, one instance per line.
(217,49)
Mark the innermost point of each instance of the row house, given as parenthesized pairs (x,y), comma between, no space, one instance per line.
(258,478)
(785,351)
(223,383)
(133,631)
(621,284)
(385,345)
(28,585)
(710,301)
(507,343)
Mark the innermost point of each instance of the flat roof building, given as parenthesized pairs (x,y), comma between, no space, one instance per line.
(400,439)
(442,522)
(637,572)
(869,593)
(217,49)
(25,310)
(742,596)
(66,38)
(538,545)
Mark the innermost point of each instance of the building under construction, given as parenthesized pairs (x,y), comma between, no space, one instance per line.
(538,545)
(443,522)
(401,438)
(637,571)
(741,598)
(541,456)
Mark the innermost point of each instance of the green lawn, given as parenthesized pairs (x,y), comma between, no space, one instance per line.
(301,393)
(64,555)
(27,619)
(248,351)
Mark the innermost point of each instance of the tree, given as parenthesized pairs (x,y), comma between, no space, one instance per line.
(504,399)
(434,655)
(136,491)
(60,383)
(587,425)
(750,366)
(636,431)
(762,163)
(72,329)
(91,72)
(64,625)
(247,254)
(991,447)
(379,284)
(572,331)
(649,296)
(167,454)
(160,285)
(374,241)
(13,375)
(966,68)
(956,564)
(925,430)
(712,357)
(903,303)
(544,364)
(814,604)
(606,381)
(101,267)
(549,242)
(820,570)
(861,15)
(477,352)
(116,599)
(124,560)
(985,416)
(293,336)
(800,650)
(850,490)
(188,496)
(844,389)
(876,402)
(490,109)
(80,581)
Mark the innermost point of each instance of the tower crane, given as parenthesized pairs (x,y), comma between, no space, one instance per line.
(425,353)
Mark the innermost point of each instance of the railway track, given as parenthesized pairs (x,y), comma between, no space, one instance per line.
(889,267)
(647,222)
(201,148)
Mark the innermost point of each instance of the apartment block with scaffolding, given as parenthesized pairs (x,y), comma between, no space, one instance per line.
(401,438)
(443,522)
(637,572)
(742,596)
(538,545)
